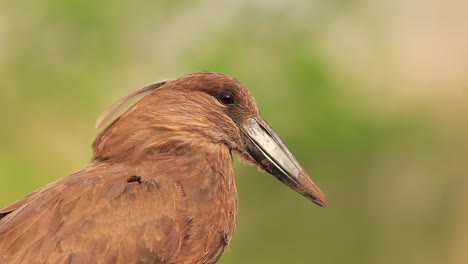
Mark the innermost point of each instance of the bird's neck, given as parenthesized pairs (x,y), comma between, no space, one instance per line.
(196,163)
(135,146)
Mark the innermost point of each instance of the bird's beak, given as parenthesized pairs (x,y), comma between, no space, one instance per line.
(265,146)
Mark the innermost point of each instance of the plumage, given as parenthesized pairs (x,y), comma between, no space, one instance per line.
(161,187)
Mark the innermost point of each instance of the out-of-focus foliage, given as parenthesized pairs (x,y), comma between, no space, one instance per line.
(371,96)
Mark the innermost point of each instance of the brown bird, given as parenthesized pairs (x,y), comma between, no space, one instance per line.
(161,188)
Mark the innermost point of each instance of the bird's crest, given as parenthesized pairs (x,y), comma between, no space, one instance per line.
(122,105)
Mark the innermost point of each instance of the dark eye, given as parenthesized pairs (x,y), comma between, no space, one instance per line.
(226,98)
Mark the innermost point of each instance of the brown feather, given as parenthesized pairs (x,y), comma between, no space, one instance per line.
(182,208)
(103,218)
(122,105)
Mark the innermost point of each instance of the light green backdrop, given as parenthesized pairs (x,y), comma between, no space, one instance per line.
(371,96)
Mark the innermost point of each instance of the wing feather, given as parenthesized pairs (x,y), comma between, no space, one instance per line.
(93,221)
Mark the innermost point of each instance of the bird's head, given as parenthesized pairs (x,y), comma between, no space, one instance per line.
(180,115)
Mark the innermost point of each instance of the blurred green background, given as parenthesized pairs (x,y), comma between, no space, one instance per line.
(371,96)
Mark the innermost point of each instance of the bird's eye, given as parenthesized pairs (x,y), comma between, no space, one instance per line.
(226,98)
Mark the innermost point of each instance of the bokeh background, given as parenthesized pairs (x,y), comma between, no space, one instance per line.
(371,96)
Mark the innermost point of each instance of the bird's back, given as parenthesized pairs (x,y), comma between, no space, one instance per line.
(163,212)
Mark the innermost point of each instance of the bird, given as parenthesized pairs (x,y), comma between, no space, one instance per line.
(160,188)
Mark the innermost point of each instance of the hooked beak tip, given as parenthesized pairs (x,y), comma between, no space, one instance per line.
(319,199)
(313,192)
